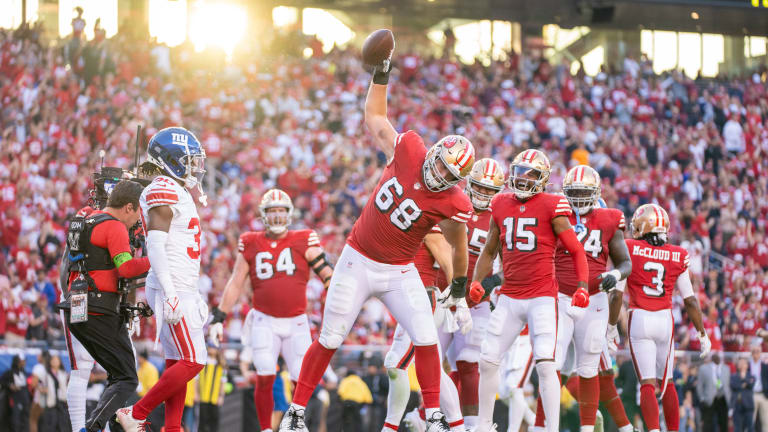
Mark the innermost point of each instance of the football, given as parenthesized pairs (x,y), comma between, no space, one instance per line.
(378,46)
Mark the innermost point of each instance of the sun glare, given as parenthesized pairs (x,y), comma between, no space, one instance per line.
(220,25)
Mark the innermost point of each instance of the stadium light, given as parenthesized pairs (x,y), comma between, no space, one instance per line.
(219,25)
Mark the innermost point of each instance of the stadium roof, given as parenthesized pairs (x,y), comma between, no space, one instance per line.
(735,17)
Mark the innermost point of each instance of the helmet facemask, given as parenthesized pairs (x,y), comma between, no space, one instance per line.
(582,198)
(276,221)
(526,181)
(438,175)
(480,195)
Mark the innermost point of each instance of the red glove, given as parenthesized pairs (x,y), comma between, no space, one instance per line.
(476,292)
(580,298)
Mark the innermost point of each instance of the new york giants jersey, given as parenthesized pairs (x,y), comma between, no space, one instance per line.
(278,270)
(183,245)
(401,210)
(655,270)
(528,242)
(600,225)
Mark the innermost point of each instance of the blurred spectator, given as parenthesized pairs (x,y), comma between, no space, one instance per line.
(354,394)
(759,369)
(147,373)
(190,406)
(14,383)
(212,379)
(714,390)
(378,383)
(742,401)
(51,395)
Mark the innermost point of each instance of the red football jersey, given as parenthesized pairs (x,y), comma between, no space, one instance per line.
(528,242)
(425,262)
(655,270)
(477,234)
(601,224)
(279,270)
(401,210)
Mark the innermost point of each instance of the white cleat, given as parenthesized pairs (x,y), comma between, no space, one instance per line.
(293,420)
(130,424)
(437,423)
(414,423)
(481,428)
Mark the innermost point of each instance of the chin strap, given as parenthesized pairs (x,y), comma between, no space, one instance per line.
(203,198)
(579,227)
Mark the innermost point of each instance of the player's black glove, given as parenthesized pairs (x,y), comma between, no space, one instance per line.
(490,283)
(609,280)
(218,315)
(459,287)
(381,72)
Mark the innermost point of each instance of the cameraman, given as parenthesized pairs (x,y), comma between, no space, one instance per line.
(100,255)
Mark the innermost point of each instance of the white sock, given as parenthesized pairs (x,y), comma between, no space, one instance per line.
(449,399)
(587,428)
(549,389)
(517,408)
(487,388)
(471,421)
(459,428)
(76,388)
(429,412)
(627,428)
(399,393)
(296,406)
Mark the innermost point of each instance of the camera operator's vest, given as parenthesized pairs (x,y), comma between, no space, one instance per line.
(83,255)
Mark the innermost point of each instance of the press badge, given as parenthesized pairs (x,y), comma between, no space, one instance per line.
(78,311)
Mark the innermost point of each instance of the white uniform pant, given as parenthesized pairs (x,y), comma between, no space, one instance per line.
(517,367)
(586,334)
(651,344)
(186,339)
(357,278)
(270,337)
(509,318)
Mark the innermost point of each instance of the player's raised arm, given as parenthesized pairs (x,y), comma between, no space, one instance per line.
(158,225)
(316,258)
(383,132)
(441,250)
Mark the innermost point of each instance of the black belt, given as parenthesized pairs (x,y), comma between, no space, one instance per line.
(98,302)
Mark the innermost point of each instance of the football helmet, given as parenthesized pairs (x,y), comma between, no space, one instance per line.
(529,173)
(276,223)
(486,173)
(179,154)
(456,154)
(581,187)
(650,219)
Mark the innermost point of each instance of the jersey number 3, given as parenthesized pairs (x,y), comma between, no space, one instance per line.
(658,279)
(284,264)
(405,213)
(194,250)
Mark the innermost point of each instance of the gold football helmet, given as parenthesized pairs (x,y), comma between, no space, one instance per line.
(581,187)
(529,173)
(455,155)
(485,180)
(650,218)
(276,222)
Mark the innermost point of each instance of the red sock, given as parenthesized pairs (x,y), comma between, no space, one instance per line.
(313,367)
(454,376)
(428,373)
(539,413)
(262,398)
(422,413)
(174,406)
(649,406)
(588,397)
(610,398)
(172,381)
(469,375)
(671,406)
(390,426)
(573,386)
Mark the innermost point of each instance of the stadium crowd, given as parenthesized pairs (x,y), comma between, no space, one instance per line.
(698,147)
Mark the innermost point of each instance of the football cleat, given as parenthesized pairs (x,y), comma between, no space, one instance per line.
(293,420)
(437,423)
(456,155)
(484,181)
(130,424)
(581,187)
(276,222)
(529,173)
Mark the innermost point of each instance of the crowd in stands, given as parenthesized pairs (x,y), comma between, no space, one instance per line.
(698,147)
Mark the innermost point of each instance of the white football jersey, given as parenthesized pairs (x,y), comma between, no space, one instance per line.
(183,245)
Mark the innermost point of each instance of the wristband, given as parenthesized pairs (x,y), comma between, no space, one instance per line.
(218,315)
(459,287)
(490,283)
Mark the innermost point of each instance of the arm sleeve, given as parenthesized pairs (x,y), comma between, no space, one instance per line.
(159,260)
(160,193)
(133,267)
(562,208)
(575,248)
(120,250)
(684,284)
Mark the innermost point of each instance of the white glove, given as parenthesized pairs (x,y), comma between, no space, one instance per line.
(172,309)
(215,333)
(612,335)
(444,299)
(463,316)
(706,344)
(450,325)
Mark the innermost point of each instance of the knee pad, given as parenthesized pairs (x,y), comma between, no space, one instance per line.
(330,338)
(395,374)
(587,369)
(546,369)
(486,367)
